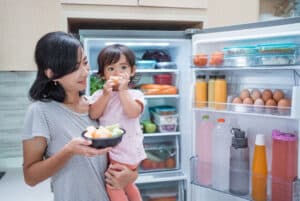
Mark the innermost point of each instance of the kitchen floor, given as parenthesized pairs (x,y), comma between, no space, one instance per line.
(13,188)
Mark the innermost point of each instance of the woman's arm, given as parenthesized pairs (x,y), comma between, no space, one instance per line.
(36,169)
(119,176)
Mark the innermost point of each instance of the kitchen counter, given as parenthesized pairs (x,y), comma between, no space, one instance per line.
(13,188)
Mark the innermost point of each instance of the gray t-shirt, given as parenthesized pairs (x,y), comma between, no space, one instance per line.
(82,178)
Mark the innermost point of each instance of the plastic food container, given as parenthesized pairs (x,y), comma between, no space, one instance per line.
(163,79)
(166,65)
(279,49)
(242,61)
(267,60)
(163,109)
(145,64)
(239,51)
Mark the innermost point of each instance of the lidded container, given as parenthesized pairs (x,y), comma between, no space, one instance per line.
(163,79)
(239,163)
(284,165)
(240,56)
(276,54)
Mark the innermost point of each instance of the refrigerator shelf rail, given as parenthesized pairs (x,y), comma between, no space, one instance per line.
(161,134)
(155,177)
(249,68)
(162,96)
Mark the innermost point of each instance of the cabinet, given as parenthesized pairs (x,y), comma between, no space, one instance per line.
(260,69)
(22,24)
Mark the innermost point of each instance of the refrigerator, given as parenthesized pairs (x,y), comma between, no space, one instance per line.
(171,170)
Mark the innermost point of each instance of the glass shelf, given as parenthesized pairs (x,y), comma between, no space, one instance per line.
(240,109)
(161,134)
(162,96)
(156,70)
(161,176)
(295,67)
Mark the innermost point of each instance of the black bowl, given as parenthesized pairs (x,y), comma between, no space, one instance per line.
(100,143)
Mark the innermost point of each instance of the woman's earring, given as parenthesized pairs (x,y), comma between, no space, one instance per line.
(55,83)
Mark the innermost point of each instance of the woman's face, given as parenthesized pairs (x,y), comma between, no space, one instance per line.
(76,81)
(120,67)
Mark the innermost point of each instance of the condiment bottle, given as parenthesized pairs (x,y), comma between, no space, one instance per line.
(239,163)
(200,91)
(259,170)
(220,92)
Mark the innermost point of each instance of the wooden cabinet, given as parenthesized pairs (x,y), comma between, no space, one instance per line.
(22,24)
(174,3)
(102,2)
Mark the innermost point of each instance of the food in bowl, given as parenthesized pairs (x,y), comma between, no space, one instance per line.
(102,137)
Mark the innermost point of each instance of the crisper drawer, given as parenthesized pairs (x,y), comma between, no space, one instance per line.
(162,191)
(162,154)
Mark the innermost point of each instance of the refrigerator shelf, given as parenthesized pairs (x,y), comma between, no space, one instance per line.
(198,69)
(162,96)
(244,113)
(155,177)
(161,134)
(284,186)
(157,71)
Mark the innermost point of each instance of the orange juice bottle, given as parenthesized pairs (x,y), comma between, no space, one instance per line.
(201,91)
(259,170)
(220,92)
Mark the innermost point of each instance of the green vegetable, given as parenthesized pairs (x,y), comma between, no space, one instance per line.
(96,83)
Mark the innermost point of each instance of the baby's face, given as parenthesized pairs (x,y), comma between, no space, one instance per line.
(118,68)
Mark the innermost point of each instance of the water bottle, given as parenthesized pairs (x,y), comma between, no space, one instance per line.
(221,155)
(239,163)
(203,150)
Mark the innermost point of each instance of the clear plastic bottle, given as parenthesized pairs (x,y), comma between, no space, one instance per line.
(239,163)
(221,155)
(259,170)
(204,150)
(201,91)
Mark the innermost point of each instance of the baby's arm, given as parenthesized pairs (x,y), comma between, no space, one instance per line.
(132,108)
(97,108)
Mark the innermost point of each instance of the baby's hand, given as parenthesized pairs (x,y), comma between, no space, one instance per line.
(123,81)
(108,87)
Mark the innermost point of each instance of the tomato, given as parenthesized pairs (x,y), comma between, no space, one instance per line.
(170,163)
(146,164)
(200,60)
(217,58)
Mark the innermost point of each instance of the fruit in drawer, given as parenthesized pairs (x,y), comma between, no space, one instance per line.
(170,163)
(200,60)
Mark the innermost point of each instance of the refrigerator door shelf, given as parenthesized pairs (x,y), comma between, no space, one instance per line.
(156,177)
(248,68)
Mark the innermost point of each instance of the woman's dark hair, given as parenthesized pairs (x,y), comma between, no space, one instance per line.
(57,51)
(111,54)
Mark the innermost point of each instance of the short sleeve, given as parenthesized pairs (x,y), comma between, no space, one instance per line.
(35,123)
(92,99)
(138,96)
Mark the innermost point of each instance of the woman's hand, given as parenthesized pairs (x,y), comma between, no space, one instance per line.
(80,146)
(119,176)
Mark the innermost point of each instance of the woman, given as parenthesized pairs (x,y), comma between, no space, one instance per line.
(52,146)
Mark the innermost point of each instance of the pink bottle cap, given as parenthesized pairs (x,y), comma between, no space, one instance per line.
(277,135)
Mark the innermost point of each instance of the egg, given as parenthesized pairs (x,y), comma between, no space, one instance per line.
(278,94)
(284,103)
(237,100)
(248,101)
(283,106)
(255,94)
(259,101)
(267,94)
(244,94)
(271,102)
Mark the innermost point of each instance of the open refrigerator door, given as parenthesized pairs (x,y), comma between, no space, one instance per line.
(245,112)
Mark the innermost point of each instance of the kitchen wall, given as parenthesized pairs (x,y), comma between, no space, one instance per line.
(14,87)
